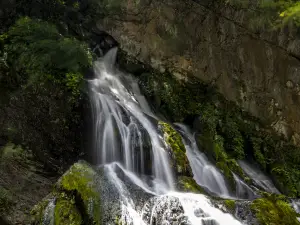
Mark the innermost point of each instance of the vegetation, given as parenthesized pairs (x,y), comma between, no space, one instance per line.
(66,212)
(225,132)
(178,150)
(272,13)
(274,210)
(230,204)
(76,199)
(37,51)
(188,184)
(80,178)
(41,75)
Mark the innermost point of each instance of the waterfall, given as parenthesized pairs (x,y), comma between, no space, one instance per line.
(120,116)
(126,136)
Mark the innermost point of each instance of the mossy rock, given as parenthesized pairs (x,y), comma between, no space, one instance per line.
(230,204)
(66,212)
(188,184)
(37,213)
(76,198)
(274,210)
(174,141)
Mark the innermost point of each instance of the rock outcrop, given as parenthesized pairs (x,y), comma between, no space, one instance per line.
(213,42)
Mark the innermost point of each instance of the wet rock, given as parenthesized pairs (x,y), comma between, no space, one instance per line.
(23,184)
(164,210)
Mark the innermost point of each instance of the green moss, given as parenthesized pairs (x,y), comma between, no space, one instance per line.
(258,155)
(285,180)
(80,178)
(174,140)
(230,204)
(274,211)
(188,184)
(234,141)
(226,164)
(65,212)
(76,198)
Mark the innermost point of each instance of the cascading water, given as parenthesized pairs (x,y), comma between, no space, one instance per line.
(258,177)
(120,120)
(242,189)
(122,126)
(205,174)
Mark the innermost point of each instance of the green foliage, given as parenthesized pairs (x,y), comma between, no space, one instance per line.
(226,164)
(73,81)
(35,49)
(174,140)
(286,180)
(234,141)
(258,155)
(230,204)
(272,13)
(273,210)
(176,99)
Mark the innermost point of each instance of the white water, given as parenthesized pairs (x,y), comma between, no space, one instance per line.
(114,102)
(258,177)
(296,205)
(205,174)
(243,191)
(120,115)
(48,217)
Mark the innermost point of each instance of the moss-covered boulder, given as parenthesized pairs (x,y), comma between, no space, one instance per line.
(178,151)
(75,199)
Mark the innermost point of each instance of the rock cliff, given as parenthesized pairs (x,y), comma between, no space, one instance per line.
(214,42)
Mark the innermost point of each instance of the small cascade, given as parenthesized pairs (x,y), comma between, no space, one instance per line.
(205,173)
(48,217)
(259,178)
(243,191)
(296,205)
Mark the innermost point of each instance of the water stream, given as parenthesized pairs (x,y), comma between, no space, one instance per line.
(259,178)
(126,138)
(205,174)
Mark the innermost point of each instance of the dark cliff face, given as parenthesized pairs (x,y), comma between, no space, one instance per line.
(258,70)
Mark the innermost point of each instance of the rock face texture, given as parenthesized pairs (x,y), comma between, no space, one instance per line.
(209,40)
